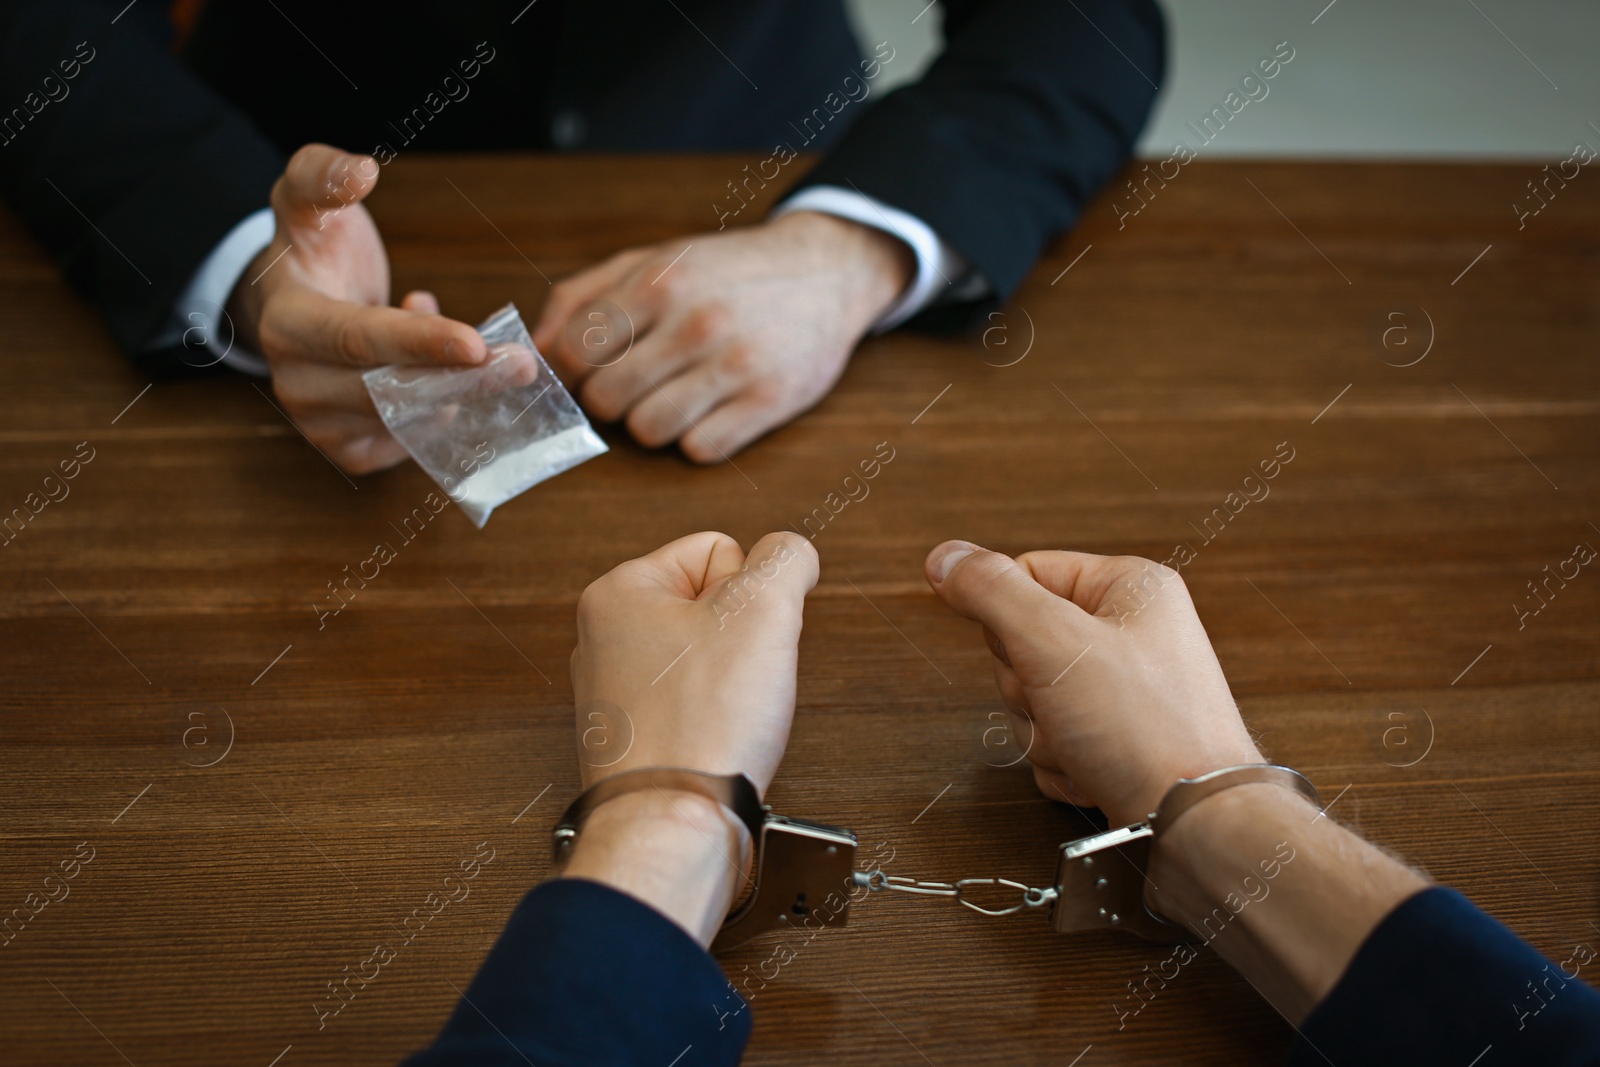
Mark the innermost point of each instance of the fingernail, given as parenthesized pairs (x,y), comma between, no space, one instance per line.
(955,553)
(456,352)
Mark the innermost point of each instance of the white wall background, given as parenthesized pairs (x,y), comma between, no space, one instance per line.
(1393,78)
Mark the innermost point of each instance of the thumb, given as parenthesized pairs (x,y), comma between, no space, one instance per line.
(1031,622)
(786,560)
(320,181)
(777,574)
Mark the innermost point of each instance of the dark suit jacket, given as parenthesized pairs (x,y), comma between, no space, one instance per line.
(129,160)
(584,975)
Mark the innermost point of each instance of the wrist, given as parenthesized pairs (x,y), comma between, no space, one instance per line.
(247,299)
(679,852)
(874,266)
(1284,894)
(1189,762)
(1187,881)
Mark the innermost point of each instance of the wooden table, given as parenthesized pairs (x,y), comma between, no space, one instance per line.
(1364,612)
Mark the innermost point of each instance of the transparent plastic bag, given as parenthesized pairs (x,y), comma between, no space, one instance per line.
(490,432)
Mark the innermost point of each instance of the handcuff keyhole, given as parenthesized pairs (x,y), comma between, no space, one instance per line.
(800,907)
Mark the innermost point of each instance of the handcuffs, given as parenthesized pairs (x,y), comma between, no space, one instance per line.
(798,864)
(1099,882)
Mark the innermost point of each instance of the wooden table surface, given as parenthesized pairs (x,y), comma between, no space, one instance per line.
(265,801)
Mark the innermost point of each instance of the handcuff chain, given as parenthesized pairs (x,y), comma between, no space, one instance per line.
(877,881)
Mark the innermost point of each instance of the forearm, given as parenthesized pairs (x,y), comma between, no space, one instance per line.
(590,970)
(1283,893)
(583,974)
(680,853)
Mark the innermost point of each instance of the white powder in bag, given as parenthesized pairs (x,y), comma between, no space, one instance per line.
(507,475)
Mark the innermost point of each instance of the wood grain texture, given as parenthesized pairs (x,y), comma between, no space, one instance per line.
(1183,348)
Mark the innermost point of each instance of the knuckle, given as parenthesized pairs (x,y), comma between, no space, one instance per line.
(589,599)
(304,169)
(600,401)
(791,544)
(987,570)
(278,198)
(739,361)
(336,446)
(653,273)
(291,393)
(356,460)
(619,261)
(1137,568)
(1168,574)
(295,170)
(1144,584)
(773,403)
(563,294)
(698,448)
(275,341)
(646,429)
(594,602)
(350,343)
(304,156)
(294,391)
(702,324)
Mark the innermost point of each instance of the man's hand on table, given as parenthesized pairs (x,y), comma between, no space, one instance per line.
(314,304)
(1112,685)
(713,340)
(686,658)
(1107,672)
(709,341)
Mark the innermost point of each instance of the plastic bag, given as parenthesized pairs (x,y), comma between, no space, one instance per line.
(490,432)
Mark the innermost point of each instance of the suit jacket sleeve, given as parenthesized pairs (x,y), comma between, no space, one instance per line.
(1032,107)
(122,164)
(585,975)
(1440,982)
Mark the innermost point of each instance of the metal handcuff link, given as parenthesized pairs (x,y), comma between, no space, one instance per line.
(801,866)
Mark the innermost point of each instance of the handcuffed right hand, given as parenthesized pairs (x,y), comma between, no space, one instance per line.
(1102,662)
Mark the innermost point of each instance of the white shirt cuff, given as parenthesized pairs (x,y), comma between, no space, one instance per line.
(198,317)
(942,272)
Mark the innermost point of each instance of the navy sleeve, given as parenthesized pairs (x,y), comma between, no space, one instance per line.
(1440,982)
(119,161)
(1033,106)
(586,975)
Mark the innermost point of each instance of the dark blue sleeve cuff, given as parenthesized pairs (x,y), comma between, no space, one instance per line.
(586,975)
(1440,982)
